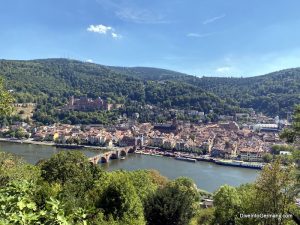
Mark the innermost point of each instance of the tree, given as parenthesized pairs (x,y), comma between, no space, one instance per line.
(293,135)
(247,195)
(121,202)
(70,167)
(205,216)
(77,141)
(76,175)
(267,157)
(18,206)
(20,133)
(275,191)
(6,100)
(227,203)
(14,168)
(157,178)
(143,182)
(175,204)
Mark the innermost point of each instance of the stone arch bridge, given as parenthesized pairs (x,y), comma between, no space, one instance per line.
(113,154)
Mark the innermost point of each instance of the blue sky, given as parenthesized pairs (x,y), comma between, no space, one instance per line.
(199,37)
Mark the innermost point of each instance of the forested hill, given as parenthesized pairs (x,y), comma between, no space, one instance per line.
(56,79)
(149,73)
(52,81)
(273,94)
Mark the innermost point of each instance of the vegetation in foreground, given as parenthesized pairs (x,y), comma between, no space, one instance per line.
(68,189)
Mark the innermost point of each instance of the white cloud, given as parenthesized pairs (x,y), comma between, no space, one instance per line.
(132,11)
(101,29)
(89,61)
(213,19)
(224,69)
(116,36)
(196,35)
(138,15)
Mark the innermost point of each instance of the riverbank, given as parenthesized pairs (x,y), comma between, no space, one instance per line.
(26,141)
(191,157)
(50,143)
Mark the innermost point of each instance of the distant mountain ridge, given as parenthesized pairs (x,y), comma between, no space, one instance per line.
(148,73)
(273,94)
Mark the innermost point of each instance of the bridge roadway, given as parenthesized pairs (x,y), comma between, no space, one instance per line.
(113,154)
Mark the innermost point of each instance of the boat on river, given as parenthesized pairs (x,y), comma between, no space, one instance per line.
(185,159)
(236,163)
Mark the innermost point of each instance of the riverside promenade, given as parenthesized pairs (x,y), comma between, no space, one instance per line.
(27,141)
(50,143)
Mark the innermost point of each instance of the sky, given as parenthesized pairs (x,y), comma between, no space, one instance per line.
(198,37)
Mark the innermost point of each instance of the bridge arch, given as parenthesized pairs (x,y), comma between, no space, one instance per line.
(103,159)
(114,155)
(131,150)
(123,153)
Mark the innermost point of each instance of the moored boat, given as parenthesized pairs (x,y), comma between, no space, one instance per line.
(185,159)
(236,163)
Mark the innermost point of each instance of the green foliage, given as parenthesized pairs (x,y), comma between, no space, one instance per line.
(272,193)
(275,190)
(51,82)
(5,100)
(277,148)
(69,167)
(18,207)
(205,216)
(13,168)
(157,178)
(139,185)
(120,201)
(67,189)
(20,133)
(247,195)
(273,94)
(227,204)
(267,157)
(142,182)
(175,203)
(293,135)
(66,194)
(76,175)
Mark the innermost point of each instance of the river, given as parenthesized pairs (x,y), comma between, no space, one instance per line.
(207,176)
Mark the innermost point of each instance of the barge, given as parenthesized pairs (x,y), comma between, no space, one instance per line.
(185,159)
(235,163)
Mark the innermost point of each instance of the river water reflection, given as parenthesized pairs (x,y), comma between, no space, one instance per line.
(207,176)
